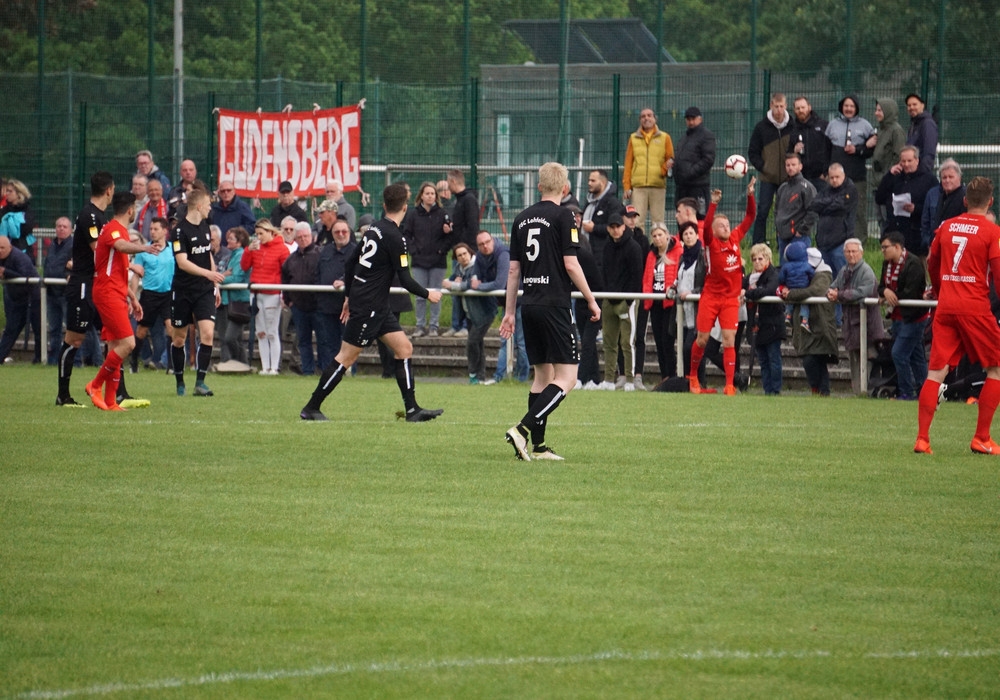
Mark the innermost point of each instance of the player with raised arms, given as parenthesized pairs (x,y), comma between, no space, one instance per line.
(964,252)
(543,244)
(368,276)
(720,297)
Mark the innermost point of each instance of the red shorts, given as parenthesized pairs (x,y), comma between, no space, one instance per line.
(113,309)
(955,335)
(727,310)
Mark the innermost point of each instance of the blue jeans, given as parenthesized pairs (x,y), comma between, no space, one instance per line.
(521,368)
(305,325)
(764,200)
(909,357)
(769,357)
(329,335)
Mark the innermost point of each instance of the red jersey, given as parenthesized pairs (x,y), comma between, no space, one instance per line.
(724,269)
(962,252)
(110,266)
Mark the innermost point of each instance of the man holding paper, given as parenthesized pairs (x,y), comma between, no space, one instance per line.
(902,191)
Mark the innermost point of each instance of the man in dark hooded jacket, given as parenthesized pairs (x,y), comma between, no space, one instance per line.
(809,140)
(902,192)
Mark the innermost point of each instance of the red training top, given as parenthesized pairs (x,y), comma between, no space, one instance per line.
(724,271)
(110,266)
(962,253)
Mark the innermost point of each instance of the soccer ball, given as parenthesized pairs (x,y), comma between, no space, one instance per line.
(736,166)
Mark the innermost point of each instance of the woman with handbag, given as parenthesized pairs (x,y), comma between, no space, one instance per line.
(235,302)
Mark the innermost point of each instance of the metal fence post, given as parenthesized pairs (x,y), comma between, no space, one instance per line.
(474,132)
(616,117)
(82,173)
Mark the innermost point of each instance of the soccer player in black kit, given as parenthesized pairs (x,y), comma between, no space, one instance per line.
(195,289)
(80,312)
(368,276)
(543,245)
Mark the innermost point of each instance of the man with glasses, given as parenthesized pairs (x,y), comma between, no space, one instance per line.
(230,211)
(905,277)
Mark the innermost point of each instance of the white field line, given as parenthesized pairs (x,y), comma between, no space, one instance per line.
(403,667)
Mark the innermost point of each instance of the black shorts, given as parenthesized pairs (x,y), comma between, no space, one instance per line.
(550,336)
(81,313)
(363,329)
(155,307)
(191,306)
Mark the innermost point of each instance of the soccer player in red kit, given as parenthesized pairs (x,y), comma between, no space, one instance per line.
(113,298)
(965,250)
(720,297)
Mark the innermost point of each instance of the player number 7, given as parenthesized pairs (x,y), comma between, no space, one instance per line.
(532,244)
(961,242)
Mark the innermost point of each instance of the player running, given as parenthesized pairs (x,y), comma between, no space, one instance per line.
(368,277)
(720,297)
(965,250)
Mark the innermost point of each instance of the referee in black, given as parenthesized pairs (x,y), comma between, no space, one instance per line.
(368,276)
(543,245)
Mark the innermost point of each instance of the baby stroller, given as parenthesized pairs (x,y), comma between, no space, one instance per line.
(882,378)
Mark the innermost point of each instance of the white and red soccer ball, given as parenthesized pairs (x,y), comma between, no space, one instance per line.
(736,166)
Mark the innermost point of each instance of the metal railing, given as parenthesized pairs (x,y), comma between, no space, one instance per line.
(863,305)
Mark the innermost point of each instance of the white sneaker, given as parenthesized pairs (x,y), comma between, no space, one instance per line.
(462,333)
(606,386)
(488,382)
(545,452)
(519,443)
(591,386)
(620,382)
(639,386)
(578,385)
(448,333)
(628,387)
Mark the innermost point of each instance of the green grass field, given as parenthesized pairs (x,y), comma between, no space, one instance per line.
(690,546)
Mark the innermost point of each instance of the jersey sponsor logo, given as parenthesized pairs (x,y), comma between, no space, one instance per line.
(199,249)
(959,278)
(116,234)
(542,279)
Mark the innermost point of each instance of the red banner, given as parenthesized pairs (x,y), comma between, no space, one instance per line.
(257,152)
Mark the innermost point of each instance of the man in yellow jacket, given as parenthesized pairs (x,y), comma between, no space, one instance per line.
(649,157)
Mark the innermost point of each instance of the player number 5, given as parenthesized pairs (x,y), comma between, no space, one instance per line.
(532,244)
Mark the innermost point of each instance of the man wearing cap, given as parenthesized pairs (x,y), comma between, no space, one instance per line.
(923,132)
(622,273)
(286,206)
(323,228)
(694,160)
(648,159)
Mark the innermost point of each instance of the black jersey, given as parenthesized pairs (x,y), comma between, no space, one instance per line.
(542,234)
(196,241)
(89,223)
(373,266)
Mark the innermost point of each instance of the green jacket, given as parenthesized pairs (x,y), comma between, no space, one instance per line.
(823,338)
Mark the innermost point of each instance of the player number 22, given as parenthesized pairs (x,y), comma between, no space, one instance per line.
(368,252)
(532,244)
(961,242)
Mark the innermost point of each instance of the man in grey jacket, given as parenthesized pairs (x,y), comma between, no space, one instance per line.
(792,217)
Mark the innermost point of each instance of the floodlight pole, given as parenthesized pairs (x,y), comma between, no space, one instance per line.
(178,81)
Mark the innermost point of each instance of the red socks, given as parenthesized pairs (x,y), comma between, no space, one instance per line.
(989,398)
